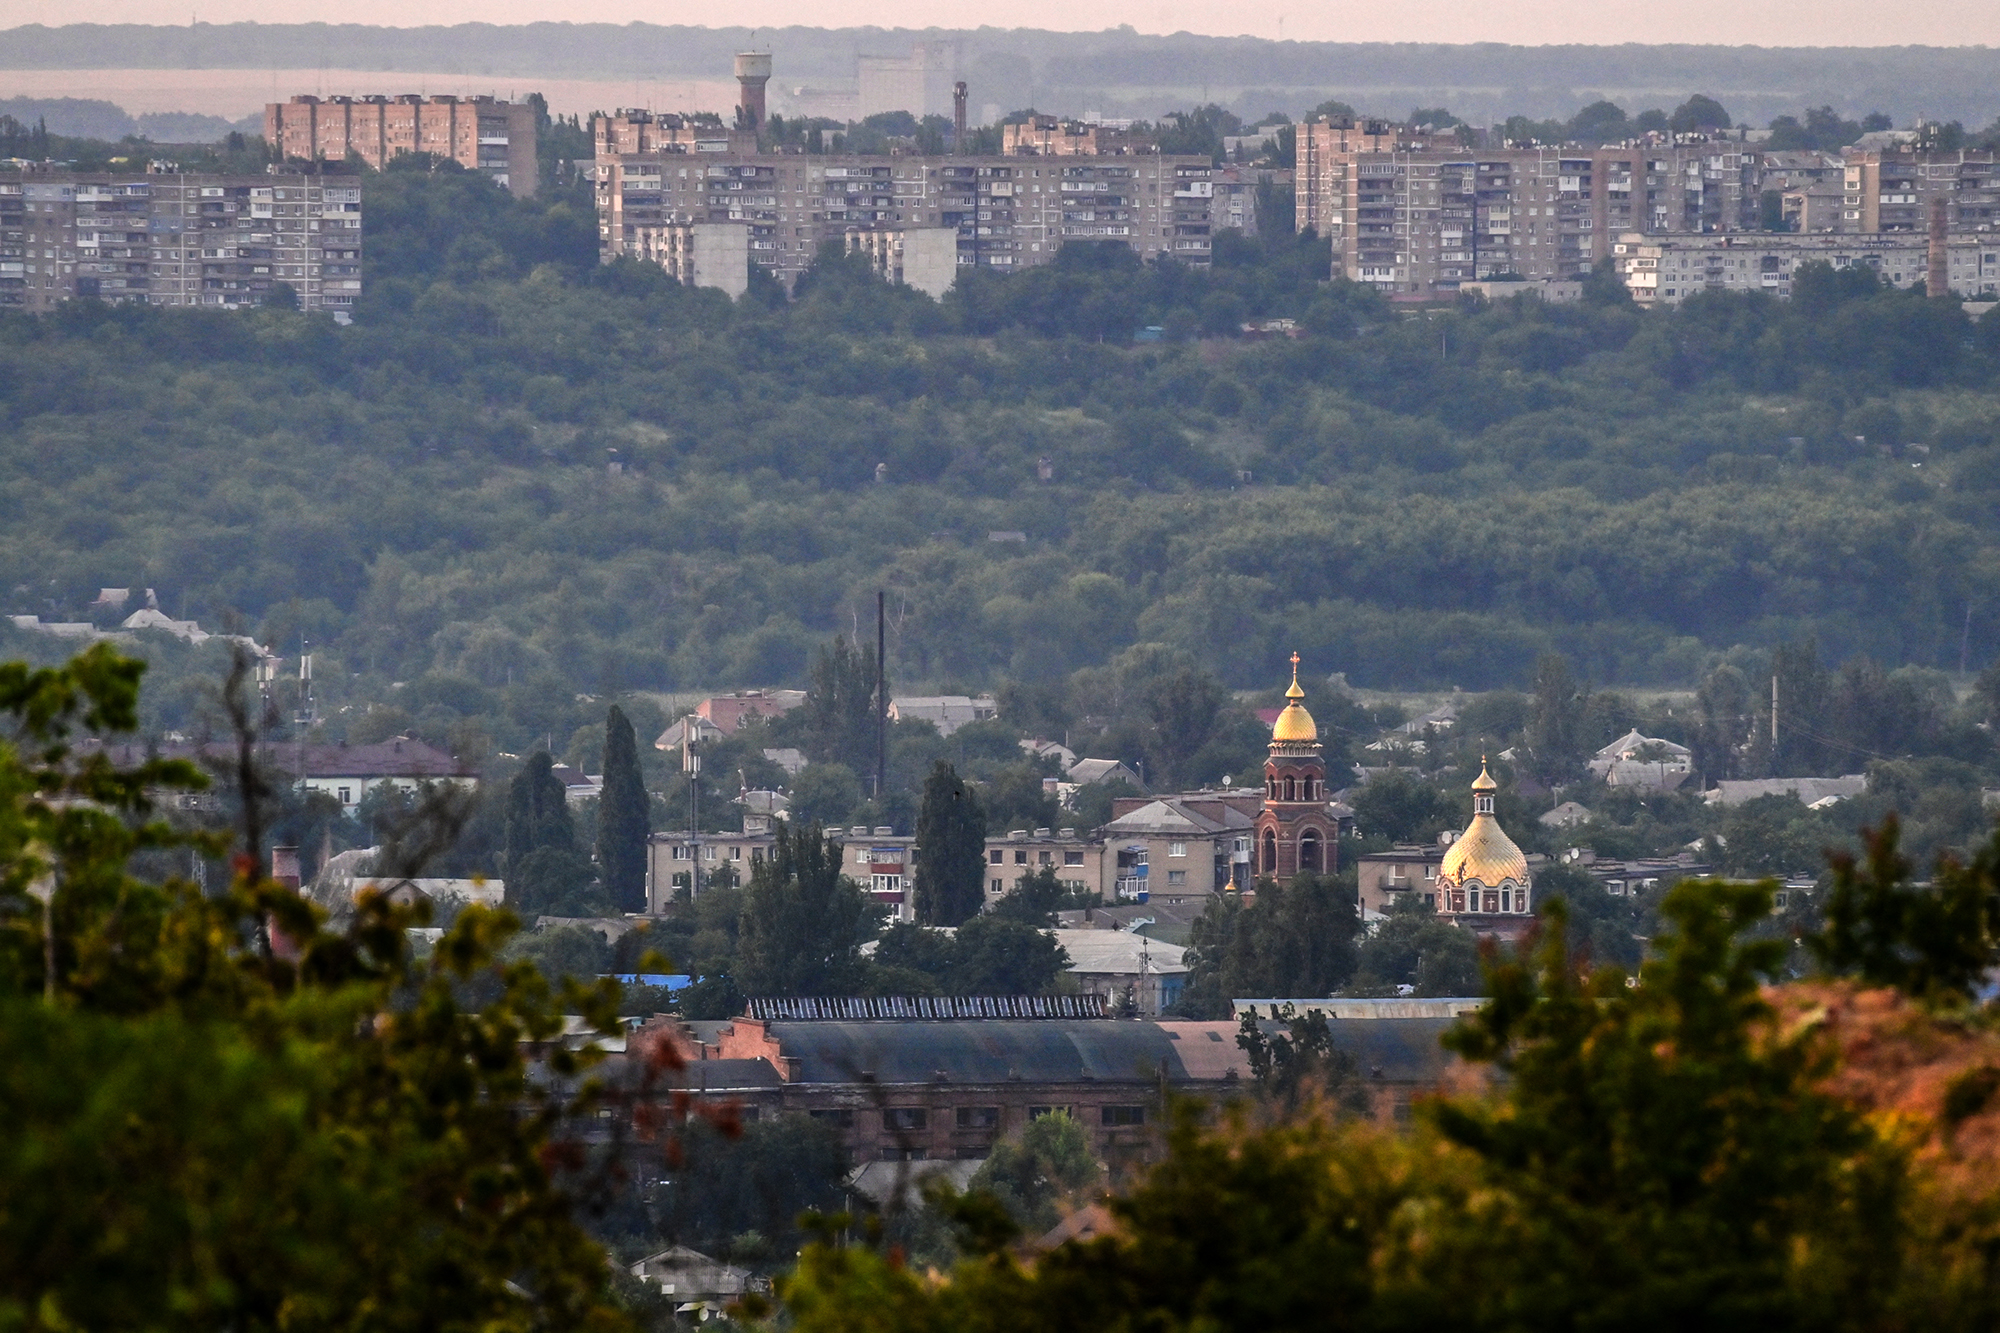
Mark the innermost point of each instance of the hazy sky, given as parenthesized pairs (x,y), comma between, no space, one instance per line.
(1529,22)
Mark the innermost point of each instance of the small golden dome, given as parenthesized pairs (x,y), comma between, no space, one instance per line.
(1295,725)
(1484,854)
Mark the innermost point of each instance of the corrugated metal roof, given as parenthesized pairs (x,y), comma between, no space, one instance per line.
(998,1051)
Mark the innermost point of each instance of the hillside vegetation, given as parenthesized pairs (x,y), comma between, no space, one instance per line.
(1414,501)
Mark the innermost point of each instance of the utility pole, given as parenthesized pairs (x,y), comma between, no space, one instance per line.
(691,765)
(882,689)
(1774,711)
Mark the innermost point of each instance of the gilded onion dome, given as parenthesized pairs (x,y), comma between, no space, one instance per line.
(1295,726)
(1483,855)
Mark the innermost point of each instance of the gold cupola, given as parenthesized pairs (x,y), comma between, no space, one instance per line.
(1295,726)
(1484,856)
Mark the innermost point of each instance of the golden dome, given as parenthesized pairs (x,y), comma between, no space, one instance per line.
(1295,725)
(1483,854)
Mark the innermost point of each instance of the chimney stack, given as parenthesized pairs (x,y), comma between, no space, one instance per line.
(285,866)
(753,71)
(958,118)
(1937,277)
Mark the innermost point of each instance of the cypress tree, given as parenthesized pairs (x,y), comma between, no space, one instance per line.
(951,850)
(624,817)
(537,815)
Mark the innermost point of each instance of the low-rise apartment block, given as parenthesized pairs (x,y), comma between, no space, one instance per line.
(179,239)
(479,133)
(1666,270)
(1076,860)
(1003,212)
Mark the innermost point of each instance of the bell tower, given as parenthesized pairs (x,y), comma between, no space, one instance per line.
(1295,833)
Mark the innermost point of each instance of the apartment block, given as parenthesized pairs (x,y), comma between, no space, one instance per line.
(1666,270)
(1076,860)
(1890,190)
(1005,212)
(698,254)
(179,239)
(479,133)
(1417,213)
(925,258)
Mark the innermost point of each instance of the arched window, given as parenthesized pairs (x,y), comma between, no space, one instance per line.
(1291,787)
(1270,852)
(1482,804)
(1309,851)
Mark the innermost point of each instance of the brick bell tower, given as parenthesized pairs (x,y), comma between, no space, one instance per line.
(1295,834)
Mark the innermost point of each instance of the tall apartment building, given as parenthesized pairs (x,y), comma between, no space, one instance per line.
(479,133)
(1890,189)
(1006,212)
(1417,213)
(179,240)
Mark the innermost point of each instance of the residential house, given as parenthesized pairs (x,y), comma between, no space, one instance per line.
(721,715)
(699,1285)
(577,787)
(1085,772)
(947,712)
(1124,966)
(1634,760)
(1567,815)
(1809,790)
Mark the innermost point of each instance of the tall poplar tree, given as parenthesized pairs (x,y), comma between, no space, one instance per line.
(624,816)
(951,850)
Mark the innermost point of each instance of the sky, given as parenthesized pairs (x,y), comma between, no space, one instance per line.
(1526,22)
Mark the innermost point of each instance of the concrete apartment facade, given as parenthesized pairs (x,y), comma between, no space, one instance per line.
(179,239)
(1416,213)
(1003,212)
(1077,860)
(1666,270)
(479,133)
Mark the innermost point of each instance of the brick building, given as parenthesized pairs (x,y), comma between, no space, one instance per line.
(953,1088)
(179,239)
(479,133)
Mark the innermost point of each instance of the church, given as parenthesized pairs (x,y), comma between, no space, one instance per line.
(1295,832)
(1482,882)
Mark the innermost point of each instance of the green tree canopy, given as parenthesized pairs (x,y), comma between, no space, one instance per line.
(950,851)
(624,816)
(222,1114)
(803,922)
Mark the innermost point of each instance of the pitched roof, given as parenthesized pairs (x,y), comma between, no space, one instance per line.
(1173,815)
(1119,953)
(1086,771)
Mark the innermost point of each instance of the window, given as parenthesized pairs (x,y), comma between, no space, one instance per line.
(978,1117)
(1176,849)
(1045,858)
(903,1119)
(1037,1112)
(1072,858)
(1021,857)
(841,1119)
(347,796)
(1177,877)
(1120,1116)
(1270,852)
(996,856)
(998,885)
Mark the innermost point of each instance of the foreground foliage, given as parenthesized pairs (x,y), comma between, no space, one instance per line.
(1677,1153)
(220,1114)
